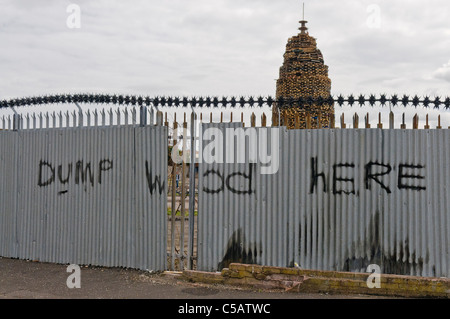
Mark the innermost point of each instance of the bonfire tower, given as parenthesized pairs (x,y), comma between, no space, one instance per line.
(303,75)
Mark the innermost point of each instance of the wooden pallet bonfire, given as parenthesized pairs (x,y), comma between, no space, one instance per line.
(302,75)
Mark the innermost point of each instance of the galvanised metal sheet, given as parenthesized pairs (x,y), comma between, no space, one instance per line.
(341,200)
(86,195)
(8,193)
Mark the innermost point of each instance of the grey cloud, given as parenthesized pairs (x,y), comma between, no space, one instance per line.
(218,47)
(443,72)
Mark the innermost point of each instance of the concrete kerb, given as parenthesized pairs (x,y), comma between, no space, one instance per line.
(318,281)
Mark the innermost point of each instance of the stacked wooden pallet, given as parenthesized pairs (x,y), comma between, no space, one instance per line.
(303,74)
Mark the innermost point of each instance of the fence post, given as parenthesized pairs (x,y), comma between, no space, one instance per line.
(379,125)
(16,120)
(343,121)
(275,117)
(159,118)
(415,122)
(190,252)
(28,121)
(88,118)
(166,123)
(403,125)
(439,123)
(367,121)
(47,120)
(54,119)
(152,115)
(391,120)
(126,117)
(95,118)
(174,193)
(356,121)
(111,117)
(133,115)
(143,116)
(183,194)
(427,126)
(80,118)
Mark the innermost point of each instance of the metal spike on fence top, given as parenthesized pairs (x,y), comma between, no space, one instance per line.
(391,120)
(125,113)
(133,115)
(74,118)
(54,119)
(60,117)
(47,120)
(80,118)
(95,117)
(88,118)
(103,116)
(427,126)
(403,125)
(28,120)
(232,101)
(119,120)
(67,119)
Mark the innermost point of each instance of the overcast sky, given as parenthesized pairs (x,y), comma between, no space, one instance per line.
(219,47)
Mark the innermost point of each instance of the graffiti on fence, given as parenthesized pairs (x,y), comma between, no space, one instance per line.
(230,181)
(84,173)
(407,174)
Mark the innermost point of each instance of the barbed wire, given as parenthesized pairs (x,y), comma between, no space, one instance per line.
(211,101)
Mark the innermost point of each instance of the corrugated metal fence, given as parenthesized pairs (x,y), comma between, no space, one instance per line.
(341,200)
(85,195)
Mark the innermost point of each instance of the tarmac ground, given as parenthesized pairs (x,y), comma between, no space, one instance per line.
(21,279)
